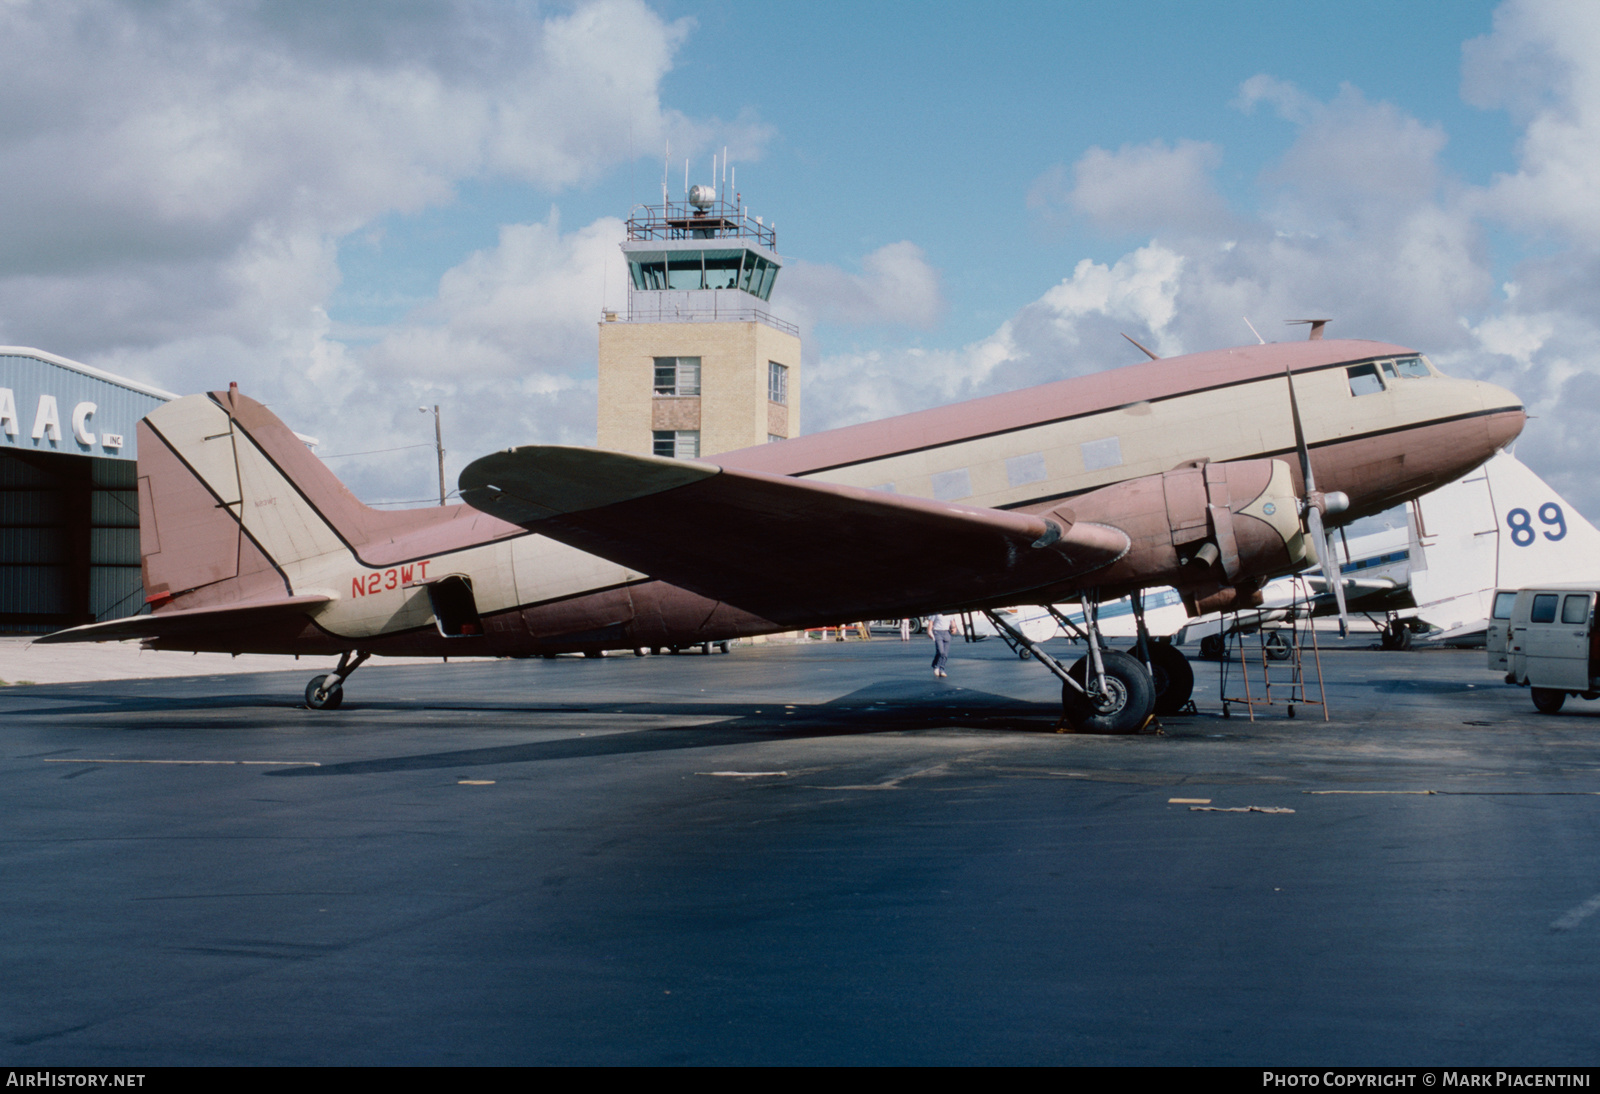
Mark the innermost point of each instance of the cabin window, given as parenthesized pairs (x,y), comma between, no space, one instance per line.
(677,376)
(1575,609)
(1098,455)
(1021,470)
(1364,380)
(676,444)
(951,485)
(1503,603)
(1544,608)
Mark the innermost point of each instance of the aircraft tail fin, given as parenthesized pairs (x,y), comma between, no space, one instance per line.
(1501,526)
(232,505)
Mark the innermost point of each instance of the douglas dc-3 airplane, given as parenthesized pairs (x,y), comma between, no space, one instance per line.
(1209,472)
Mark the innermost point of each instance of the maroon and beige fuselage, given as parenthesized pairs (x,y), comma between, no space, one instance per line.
(235,510)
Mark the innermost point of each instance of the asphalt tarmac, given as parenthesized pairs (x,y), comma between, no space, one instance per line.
(808,854)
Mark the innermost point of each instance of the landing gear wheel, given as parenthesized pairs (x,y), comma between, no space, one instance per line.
(1125,708)
(1277,646)
(638,651)
(1211,647)
(705,648)
(1548,700)
(723,646)
(1171,674)
(1023,653)
(317,699)
(1396,636)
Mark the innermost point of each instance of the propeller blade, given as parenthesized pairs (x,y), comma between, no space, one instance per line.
(1306,477)
(1328,559)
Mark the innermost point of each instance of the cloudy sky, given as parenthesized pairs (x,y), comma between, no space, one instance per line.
(353,210)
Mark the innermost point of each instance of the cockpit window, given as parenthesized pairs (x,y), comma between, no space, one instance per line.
(1411,366)
(1364,380)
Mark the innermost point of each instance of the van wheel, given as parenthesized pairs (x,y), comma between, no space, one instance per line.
(1548,700)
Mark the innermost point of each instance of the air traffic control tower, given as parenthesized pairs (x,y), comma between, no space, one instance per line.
(698,365)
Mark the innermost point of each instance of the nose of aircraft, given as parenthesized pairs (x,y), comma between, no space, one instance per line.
(1504,414)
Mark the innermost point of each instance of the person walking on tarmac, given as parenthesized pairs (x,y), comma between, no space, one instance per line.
(939,630)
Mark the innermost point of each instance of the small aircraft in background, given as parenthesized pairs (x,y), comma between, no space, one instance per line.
(1211,473)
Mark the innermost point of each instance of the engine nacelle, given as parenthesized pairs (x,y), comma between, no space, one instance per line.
(1204,528)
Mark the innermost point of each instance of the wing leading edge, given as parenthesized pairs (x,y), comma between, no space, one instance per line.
(793,551)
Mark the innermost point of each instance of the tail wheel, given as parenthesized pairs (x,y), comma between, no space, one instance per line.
(1171,674)
(1396,636)
(318,699)
(1548,700)
(1126,705)
(1277,646)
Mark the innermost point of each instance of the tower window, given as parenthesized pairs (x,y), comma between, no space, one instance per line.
(777,382)
(677,444)
(677,376)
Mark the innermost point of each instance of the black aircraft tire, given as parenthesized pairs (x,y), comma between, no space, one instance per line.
(1548,700)
(1171,674)
(317,699)
(1212,647)
(1132,701)
(1277,646)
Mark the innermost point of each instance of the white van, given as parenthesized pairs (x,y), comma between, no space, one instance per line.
(1545,638)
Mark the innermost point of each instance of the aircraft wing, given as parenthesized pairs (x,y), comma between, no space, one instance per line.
(188,621)
(791,550)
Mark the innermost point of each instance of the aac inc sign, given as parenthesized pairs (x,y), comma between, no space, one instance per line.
(51,404)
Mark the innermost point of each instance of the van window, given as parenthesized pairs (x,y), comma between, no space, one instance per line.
(1503,603)
(1575,609)
(1544,608)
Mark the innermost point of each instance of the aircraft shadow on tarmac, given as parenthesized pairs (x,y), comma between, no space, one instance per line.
(879,708)
(885,707)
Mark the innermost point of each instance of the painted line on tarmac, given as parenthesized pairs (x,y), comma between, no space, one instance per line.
(1474,793)
(1577,915)
(196,763)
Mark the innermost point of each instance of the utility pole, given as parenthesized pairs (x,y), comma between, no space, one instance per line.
(438,444)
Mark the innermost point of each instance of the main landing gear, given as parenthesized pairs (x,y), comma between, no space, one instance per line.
(1107,691)
(327,692)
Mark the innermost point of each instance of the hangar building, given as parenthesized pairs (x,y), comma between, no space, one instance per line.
(69,494)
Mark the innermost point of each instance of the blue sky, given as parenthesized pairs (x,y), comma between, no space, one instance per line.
(932,123)
(353,210)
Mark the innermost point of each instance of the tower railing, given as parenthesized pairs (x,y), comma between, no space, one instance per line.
(681,220)
(647,307)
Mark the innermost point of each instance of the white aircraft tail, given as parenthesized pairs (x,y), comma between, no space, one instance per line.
(1500,527)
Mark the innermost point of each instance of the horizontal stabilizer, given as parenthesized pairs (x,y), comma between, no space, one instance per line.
(790,550)
(189,621)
